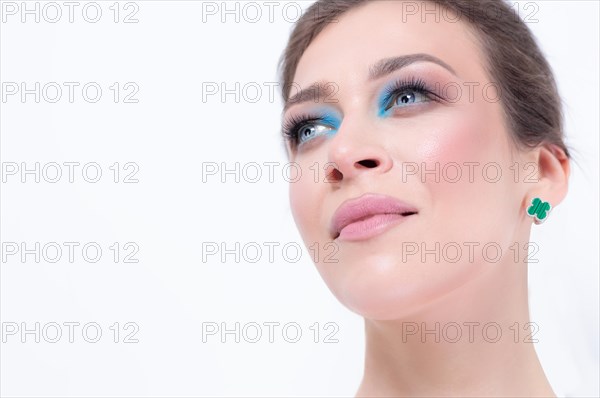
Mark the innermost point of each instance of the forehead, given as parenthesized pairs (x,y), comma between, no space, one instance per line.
(347,47)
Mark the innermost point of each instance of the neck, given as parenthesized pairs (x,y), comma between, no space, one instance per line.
(475,341)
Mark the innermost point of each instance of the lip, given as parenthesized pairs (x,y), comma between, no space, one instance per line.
(367,216)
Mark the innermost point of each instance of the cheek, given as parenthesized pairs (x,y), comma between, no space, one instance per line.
(304,199)
(459,147)
(462,137)
(298,197)
(464,158)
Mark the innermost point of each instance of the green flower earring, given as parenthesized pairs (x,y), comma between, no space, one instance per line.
(539,210)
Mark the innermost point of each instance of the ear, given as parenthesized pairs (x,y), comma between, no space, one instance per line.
(554,170)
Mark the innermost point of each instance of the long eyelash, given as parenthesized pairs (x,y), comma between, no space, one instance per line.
(415,84)
(293,124)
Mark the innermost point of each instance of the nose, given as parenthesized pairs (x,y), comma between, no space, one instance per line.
(354,151)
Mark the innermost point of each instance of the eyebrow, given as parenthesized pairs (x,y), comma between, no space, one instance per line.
(322,90)
(389,65)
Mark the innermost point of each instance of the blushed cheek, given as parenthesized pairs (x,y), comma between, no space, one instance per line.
(465,135)
(456,142)
(451,159)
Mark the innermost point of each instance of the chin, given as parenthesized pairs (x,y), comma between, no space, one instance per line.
(383,288)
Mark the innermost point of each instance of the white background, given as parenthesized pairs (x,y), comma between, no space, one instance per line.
(170,133)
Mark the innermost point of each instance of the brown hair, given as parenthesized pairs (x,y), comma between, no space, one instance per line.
(530,96)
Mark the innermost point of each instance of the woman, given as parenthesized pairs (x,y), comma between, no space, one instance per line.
(437,131)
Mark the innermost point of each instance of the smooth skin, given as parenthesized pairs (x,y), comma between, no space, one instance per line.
(366,154)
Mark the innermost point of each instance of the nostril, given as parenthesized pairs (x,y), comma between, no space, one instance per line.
(334,175)
(369,163)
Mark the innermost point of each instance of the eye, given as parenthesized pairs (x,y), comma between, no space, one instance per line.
(404,93)
(303,128)
(312,130)
(407,97)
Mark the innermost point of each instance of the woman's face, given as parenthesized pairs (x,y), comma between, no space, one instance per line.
(439,153)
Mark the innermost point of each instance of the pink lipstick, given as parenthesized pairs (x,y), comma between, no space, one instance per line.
(368,216)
